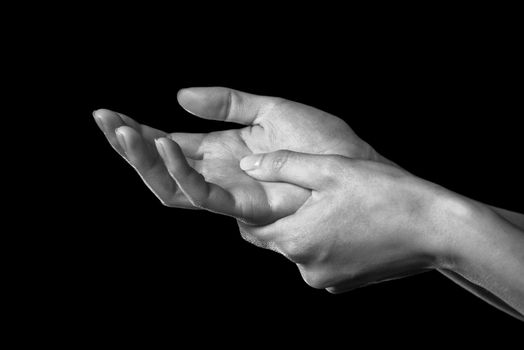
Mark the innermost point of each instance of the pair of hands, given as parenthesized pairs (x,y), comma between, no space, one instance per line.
(298,181)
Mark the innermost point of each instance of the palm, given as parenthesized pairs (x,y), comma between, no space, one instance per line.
(287,125)
(279,124)
(254,201)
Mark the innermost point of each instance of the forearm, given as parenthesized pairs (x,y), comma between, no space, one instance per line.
(486,253)
(480,291)
(516,219)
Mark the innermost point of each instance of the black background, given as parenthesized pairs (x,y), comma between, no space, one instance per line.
(440,100)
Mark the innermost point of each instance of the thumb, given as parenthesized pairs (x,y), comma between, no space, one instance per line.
(303,169)
(223,104)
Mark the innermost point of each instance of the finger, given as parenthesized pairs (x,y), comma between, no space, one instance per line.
(149,133)
(200,193)
(108,121)
(224,104)
(306,170)
(189,142)
(144,158)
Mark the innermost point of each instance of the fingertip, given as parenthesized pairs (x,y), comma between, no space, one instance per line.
(128,134)
(179,93)
(99,121)
(168,148)
(250,162)
(189,99)
(102,113)
(98,112)
(121,137)
(125,130)
(163,142)
(159,144)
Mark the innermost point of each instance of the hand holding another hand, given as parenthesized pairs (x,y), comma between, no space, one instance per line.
(364,222)
(301,182)
(201,171)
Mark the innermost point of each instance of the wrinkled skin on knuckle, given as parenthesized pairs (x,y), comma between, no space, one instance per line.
(278,161)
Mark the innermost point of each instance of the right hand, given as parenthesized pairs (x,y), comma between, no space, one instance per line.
(365,221)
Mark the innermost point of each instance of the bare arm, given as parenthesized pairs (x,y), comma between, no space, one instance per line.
(512,217)
(378,222)
(488,241)
(514,224)
(516,219)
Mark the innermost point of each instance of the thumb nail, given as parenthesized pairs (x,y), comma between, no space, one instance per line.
(250,162)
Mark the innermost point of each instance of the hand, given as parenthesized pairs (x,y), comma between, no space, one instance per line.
(203,168)
(364,222)
(377,223)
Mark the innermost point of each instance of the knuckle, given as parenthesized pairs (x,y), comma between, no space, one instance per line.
(334,169)
(231,102)
(331,168)
(279,160)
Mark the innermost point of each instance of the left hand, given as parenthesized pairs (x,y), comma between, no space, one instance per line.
(364,222)
(201,170)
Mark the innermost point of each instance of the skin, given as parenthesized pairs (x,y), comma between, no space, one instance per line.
(272,124)
(368,222)
(202,171)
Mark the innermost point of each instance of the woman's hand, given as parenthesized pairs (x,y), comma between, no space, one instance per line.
(201,170)
(365,221)
(345,222)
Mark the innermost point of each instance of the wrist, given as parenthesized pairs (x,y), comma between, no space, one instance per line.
(471,240)
(449,225)
(467,234)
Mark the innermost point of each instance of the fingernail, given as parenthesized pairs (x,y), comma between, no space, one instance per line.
(250,162)
(99,122)
(121,139)
(160,148)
